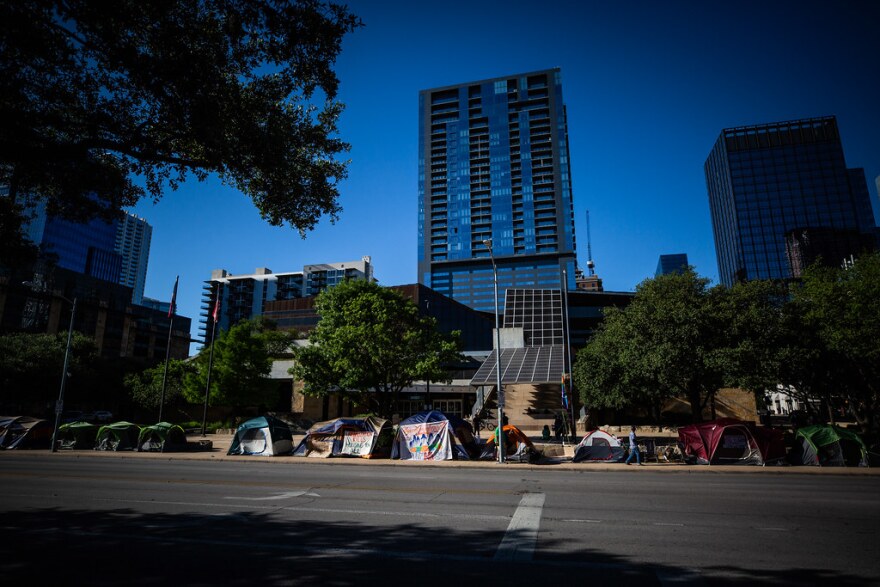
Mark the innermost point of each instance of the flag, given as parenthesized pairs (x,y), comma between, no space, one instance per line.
(216,314)
(564,396)
(172,309)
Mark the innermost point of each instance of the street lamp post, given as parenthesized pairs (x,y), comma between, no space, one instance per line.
(499,439)
(59,406)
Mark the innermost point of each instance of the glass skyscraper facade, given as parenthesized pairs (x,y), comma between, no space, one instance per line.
(782,197)
(494,164)
(133,236)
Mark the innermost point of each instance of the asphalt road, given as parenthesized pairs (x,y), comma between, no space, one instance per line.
(110,521)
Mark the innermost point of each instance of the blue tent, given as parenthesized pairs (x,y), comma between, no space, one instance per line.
(264,435)
(434,436)
(345,437)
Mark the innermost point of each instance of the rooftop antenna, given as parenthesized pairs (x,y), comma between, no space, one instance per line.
(590,265)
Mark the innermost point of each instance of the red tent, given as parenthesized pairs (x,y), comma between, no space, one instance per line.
(731,442)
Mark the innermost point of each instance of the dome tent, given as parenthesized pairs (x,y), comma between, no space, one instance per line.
(117,436)
(599,446)
(827,445)
(727,441)
(77,435)
(161,437)
(345,437)
(24,432)
(434,436)
(264,435)
(517,446)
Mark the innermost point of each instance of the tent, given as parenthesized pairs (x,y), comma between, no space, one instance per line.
(117,436)
(727,441)
(828,446)
(434,436)
(162,437)
(24,432)
(517,446)
(77,435)
(264,435)
(599,446)
(346,437)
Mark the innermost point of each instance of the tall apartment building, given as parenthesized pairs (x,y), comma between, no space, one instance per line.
(246,296)
(494,164)
(782,197)
(133,236)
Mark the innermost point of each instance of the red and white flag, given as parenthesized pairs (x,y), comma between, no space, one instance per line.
(216,314)
(173,308)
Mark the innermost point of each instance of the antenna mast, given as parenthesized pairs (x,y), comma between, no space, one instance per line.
(590,265)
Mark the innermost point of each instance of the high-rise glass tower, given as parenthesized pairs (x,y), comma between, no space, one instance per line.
(782,197)
(494,164)
(133,236)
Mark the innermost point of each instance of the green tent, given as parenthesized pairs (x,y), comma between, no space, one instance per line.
(162,437)
(828,446)
(77,435)
(117,436)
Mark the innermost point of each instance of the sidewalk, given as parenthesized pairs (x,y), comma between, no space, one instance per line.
(221,442)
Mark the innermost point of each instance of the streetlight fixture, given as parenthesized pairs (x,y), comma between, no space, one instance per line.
(500,393)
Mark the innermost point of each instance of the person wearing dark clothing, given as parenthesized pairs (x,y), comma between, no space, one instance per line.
(558,427)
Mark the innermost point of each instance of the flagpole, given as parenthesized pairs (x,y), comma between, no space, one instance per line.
(171,312)
(567,334)
(211,359)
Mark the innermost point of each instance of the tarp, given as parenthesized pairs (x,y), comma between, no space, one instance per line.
(434,436)
(264,435)
(162,437)
(118,436)
(828,446)
(17,432)
(77,435)
(517,446)
(346,437)
(599,446)
(727,441)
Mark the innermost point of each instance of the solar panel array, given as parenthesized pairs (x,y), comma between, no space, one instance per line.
(543,364)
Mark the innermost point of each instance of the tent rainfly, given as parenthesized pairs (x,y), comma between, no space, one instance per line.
(434,436)
(599,446)
(517,446)
(262,436)
(162,437)
(828,446)
(76,435)
(118,436)
(18,432)
(727,441)
(346,437)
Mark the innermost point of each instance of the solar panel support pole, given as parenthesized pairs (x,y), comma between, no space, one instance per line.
(499,440)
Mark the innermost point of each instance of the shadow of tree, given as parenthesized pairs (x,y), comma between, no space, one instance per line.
(109,547)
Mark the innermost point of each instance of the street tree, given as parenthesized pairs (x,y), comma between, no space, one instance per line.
(371,343)
(242,363)
(102,105)
(660,346)
(145,388)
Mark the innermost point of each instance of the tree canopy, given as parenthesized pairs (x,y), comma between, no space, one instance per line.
(145,388)
(102,104)
(371,343)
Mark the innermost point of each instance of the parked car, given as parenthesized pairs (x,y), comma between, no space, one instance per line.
(103,416)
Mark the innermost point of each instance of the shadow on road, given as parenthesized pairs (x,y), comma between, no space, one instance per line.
(109,547)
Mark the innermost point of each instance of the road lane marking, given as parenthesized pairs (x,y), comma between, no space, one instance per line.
(286,495)
(522,532)
(667,524)
(584,521)
(771,529)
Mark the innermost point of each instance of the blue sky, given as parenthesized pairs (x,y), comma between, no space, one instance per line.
(648,87)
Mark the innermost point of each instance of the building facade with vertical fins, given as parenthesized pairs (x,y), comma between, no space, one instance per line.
(133,236)
(782,197)
(494,164)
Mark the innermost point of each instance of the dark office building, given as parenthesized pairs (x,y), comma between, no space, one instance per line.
(781,197)
(671,264)
(494,164)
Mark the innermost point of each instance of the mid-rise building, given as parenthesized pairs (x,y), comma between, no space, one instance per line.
(494,166)
(243,297)
(133,235)
(782,197)
(667,264)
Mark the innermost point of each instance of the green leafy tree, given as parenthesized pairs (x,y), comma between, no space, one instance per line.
(145,389)
(31,366)
(104,104)
(371,343)
(660,346)
(242,363)
(841,306)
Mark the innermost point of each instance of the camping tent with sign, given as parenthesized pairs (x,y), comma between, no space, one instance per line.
(117,436)
(346,437)
(434,436)
(730,442)
(263,436)
(18,432)
(828,446)
(517,446)
(77,435)
(162,437)
(599,446)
